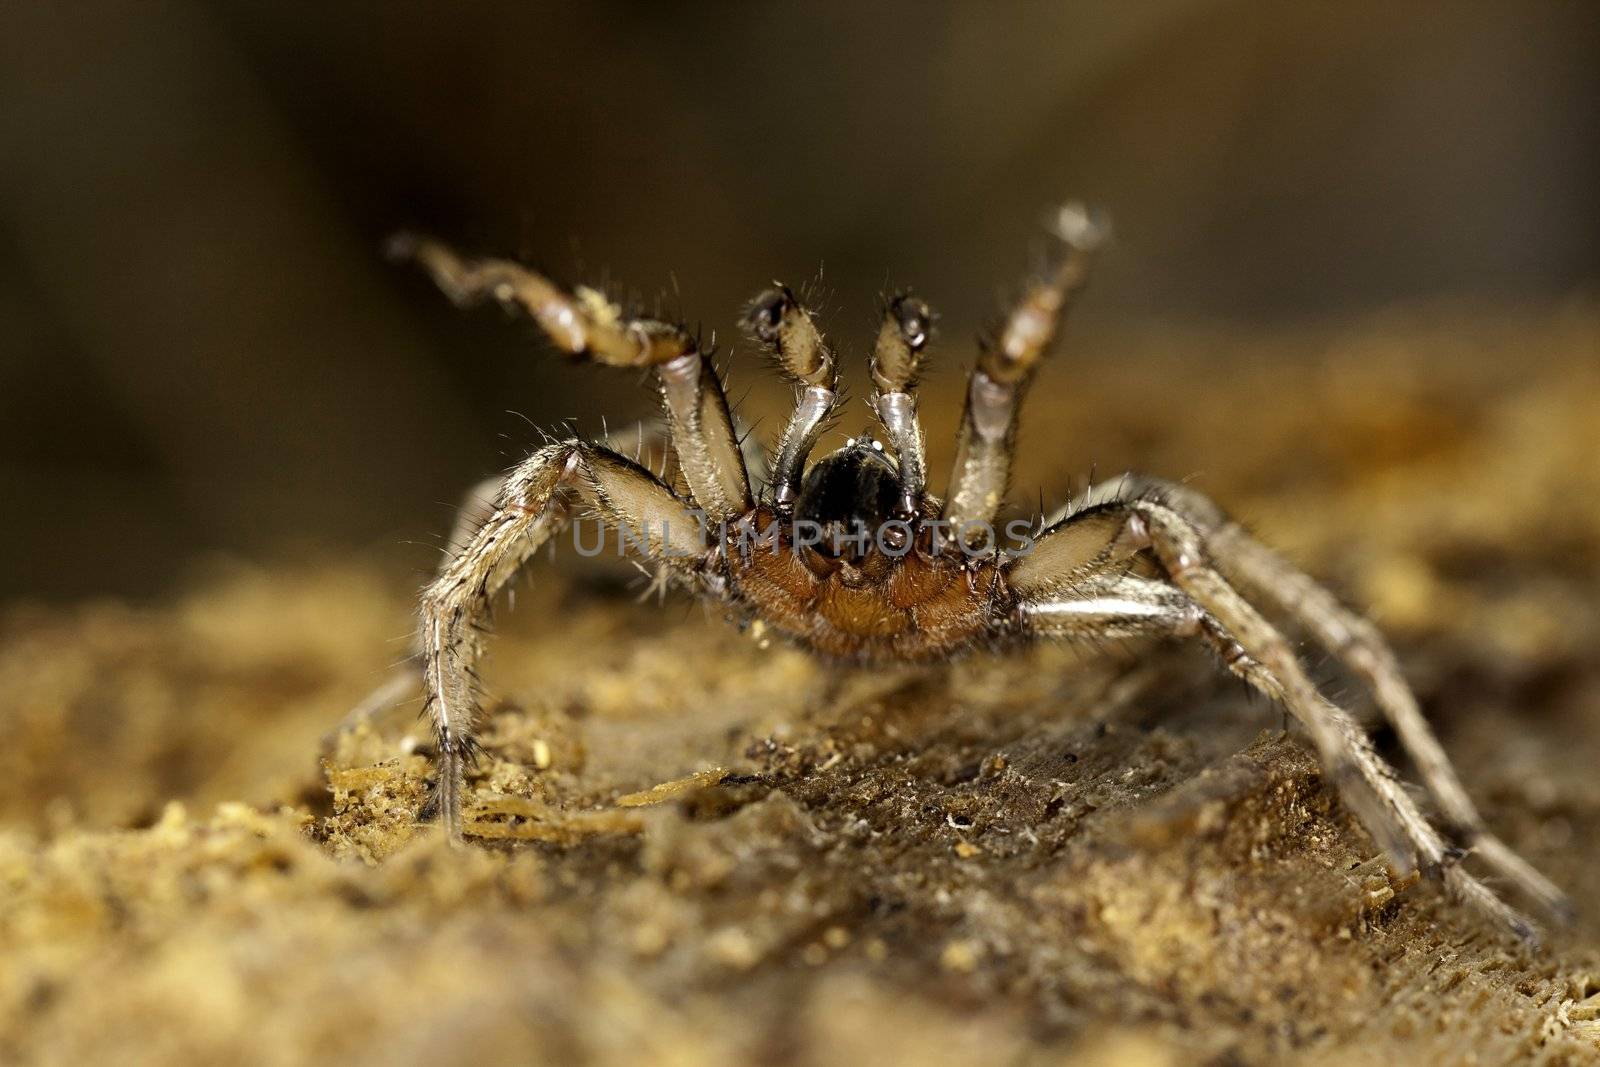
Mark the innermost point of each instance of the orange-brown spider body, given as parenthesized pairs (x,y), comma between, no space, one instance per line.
(923,606)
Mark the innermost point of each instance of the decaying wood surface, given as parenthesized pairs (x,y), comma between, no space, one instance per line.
(703,847)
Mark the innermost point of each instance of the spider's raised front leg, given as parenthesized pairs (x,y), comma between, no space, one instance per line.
(532,504)
(1061,586)
(1358,644)
(988,424)
(584,323)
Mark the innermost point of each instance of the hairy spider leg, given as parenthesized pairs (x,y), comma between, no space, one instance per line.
(788,331)
(532,504)
(650,446)
(988,424)
(1074,584)
(897,360)
(584,323)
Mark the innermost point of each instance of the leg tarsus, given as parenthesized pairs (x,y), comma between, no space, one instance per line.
(581,322)
(450,767)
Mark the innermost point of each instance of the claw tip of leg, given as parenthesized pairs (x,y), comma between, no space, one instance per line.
(1082,227)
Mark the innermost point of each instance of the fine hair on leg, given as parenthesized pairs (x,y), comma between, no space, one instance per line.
(788,332)
(897,360)
(532,504)
(583,323)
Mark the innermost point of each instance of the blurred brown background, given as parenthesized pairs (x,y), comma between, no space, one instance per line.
(201,348)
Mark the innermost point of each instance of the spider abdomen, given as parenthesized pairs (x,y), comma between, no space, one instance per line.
(876,607)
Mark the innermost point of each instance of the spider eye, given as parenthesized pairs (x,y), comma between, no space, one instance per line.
(766,313)
(915,320)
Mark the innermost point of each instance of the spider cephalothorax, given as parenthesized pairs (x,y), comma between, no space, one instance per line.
(852,557)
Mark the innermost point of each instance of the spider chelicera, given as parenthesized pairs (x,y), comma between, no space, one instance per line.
(1135,557)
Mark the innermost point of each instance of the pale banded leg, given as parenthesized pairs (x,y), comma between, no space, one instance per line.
(584,323)
(531,505)
(1111,609)
(1359,645)
(1075,585)
(984,446)
(787,330)
(896,365)
(1366,783)
(405,680)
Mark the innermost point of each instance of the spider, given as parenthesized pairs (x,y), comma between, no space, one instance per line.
(1136,557)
